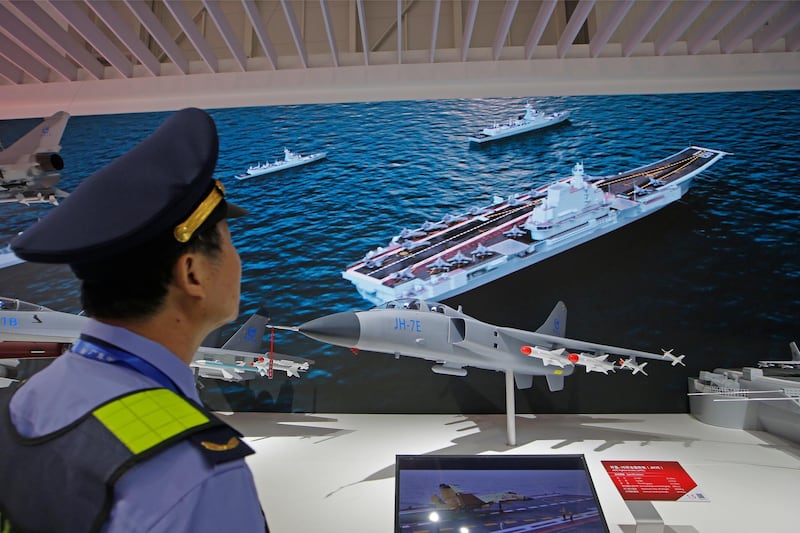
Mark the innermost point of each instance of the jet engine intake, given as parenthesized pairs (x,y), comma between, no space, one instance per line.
(49,161)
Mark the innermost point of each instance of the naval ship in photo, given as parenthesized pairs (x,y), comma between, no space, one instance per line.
(441,259)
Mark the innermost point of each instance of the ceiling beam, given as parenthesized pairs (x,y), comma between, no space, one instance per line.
(362,24)
(538,26)
(193,34)
(610,24)
(718,20)
(326,18)
(577,19)
(92,35)
(25,36)
(644,25)
(23,59)
(157,32)
(503,27)
(680,24)
(10,71)
(297,35)
(469,26)
(261,32)
(793,40)
(765,38)
(399,6)
(237,51)
(126,35)
(757,16)
(388,31)
(66,42)
(437,9)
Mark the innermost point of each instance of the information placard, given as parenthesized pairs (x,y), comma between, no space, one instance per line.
(653,480)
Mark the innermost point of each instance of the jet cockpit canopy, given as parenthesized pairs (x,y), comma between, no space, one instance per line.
(418,304)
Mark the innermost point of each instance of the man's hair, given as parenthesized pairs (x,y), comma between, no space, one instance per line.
(142,291)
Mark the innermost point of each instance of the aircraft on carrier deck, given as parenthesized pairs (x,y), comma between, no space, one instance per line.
(454,341)
(239,359)
(29,168)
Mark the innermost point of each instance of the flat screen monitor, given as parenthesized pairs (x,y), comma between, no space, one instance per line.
(482,493)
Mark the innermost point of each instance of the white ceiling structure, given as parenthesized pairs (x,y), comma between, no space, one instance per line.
(95,56)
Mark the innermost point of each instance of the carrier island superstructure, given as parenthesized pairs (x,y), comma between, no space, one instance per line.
(441,259)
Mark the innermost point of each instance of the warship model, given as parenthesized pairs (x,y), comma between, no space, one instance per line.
(766,398)
(290,160)
(533,119)
(441,259)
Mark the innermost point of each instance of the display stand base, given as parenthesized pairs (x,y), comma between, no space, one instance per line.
(649,521)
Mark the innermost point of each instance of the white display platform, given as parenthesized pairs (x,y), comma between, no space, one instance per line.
(335,472)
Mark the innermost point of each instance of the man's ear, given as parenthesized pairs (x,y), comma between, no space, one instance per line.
(188,274)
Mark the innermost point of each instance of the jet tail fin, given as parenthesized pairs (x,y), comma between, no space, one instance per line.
(795,351)
(249,337)
(556,323)
(45,137)
(555,382)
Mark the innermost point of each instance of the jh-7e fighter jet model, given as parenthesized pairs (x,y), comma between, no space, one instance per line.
(454,341)
(29,168)
(239,359)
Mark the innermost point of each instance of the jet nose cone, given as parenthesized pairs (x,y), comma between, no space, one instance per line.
(341,329)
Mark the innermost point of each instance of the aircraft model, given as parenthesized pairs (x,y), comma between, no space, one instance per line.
(793,363)
(454,341)
(514,232)
(676,359)
(29,168)
(239,359)
(655,182)
(452,498)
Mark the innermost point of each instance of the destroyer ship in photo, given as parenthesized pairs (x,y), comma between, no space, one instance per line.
(441,259)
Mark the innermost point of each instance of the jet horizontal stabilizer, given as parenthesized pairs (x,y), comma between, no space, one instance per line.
(555,382)
(523,381)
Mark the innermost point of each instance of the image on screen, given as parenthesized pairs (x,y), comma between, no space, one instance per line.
(480,494)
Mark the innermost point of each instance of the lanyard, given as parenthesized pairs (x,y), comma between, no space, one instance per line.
(92,349)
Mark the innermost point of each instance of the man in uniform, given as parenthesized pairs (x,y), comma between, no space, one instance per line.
(112,435)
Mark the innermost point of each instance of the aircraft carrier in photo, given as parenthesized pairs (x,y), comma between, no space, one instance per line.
(438,260)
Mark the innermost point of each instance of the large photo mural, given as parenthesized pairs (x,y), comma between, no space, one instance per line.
(715,276)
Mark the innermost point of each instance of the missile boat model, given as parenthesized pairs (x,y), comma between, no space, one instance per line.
(441,259)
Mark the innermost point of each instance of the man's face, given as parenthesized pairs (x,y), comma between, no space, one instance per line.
(227,271)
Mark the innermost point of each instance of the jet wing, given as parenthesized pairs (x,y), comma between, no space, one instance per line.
(253,362)
(552,341)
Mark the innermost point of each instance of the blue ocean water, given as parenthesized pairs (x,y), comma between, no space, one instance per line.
(715,276)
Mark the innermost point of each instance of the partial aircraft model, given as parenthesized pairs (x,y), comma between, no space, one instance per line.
(454,341)
(29,168)
(453,499)
(239,359)
(793,363)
